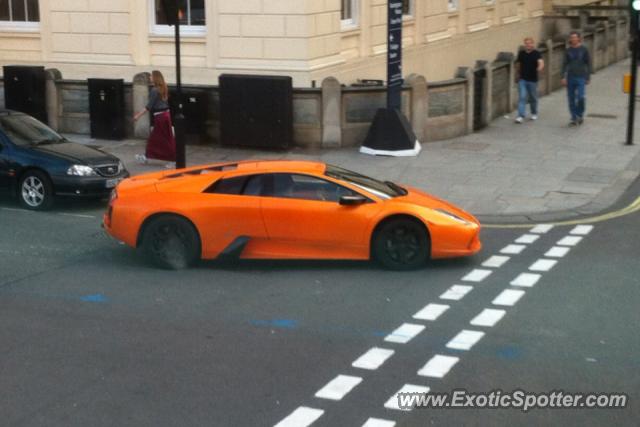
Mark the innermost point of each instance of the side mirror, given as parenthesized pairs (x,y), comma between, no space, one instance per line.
(353,200)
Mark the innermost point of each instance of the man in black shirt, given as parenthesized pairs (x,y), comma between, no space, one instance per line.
(528,65)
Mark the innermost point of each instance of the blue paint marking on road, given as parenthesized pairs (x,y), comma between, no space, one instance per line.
(97,298)
(276,323)
(509,353)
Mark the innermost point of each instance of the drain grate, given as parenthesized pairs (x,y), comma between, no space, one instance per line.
(602,116)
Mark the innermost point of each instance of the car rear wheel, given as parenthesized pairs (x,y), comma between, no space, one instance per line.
(35,191)
(401,244)
(171,242)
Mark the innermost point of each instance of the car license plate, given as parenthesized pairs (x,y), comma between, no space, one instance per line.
(111,183)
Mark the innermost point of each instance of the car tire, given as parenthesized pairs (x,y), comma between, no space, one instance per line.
(171,242)
(401,244)
(35,191)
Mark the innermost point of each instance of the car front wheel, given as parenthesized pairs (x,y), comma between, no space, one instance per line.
(401,244)
(171,242)
(35,191)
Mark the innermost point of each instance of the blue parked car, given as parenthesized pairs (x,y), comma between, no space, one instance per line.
(37,164)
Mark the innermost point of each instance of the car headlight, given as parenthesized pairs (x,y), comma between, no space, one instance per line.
(452,216)
(81,170)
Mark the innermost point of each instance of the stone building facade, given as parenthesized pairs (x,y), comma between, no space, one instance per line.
(306,39)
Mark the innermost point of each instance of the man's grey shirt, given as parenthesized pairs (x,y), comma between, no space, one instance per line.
(577,63)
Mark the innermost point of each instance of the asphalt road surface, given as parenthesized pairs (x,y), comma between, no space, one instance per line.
(92,335)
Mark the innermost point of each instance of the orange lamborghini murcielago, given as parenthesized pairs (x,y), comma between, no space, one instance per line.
(285,210)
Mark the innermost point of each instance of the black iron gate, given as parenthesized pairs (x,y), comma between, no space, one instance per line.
(25,90)
(106,108)
(480,76)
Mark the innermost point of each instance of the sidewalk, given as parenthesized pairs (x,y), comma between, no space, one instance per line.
(541,169)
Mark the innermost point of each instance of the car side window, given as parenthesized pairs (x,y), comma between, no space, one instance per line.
(304,187)
(228,186)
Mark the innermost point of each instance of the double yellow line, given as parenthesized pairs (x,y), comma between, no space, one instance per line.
(633,207)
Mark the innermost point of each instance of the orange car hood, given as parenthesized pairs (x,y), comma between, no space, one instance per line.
(421,198)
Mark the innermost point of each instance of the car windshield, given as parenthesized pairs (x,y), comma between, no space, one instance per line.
(24,130)
(385,190)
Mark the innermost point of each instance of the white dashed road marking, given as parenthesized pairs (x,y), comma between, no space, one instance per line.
(78,215)
(557,252)
(582,230)
(431,312)
(513,249)
(465,340)
(301,417)
(373,359)
(477,275)
(377,422)
(527,238)
(338,387)
(404,333)
(569,241)
(456,292)
(496,261)
(526,280)
(543,265)
(508,297)
(392,403)
(489,317)
(541,228)
(438,366)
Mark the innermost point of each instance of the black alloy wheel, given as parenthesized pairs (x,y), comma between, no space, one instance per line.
(401,244)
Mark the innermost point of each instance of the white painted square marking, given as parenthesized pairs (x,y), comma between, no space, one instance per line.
(465,340)
(543,265)
(508,297)
(557,252)
(496,261)
(456,292)
(581,230)
(393,403)
(378,422)
(477,275)
(438,366)
(404,333)
(569,241)
(512,249)
(541,228)
(489,317)
(301,417)
(373,359)
(526,280)
(527,238)
(338,387)
(431,312)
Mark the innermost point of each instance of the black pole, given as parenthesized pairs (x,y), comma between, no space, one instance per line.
(394,54)
(181,155)
(633,33)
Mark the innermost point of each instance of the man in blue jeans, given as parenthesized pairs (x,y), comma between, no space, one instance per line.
(528,65)
(576,74)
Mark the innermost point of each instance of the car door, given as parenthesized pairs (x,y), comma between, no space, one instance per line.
(230,220)
(5,165)
(304,218)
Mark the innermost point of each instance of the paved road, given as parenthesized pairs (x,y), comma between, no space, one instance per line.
(93,336)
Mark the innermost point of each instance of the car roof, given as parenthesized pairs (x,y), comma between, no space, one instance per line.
(281,166)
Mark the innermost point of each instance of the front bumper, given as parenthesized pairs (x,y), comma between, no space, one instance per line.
(86,186)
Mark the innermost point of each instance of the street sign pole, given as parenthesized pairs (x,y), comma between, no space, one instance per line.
(633,35)
(394,55)
(181,155)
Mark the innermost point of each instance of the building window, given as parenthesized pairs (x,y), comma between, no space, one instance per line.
(19,13)
(349,13)
(192,17)
(453,5)
(407,7)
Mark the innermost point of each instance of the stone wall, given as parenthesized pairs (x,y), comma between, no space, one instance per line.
(336,115)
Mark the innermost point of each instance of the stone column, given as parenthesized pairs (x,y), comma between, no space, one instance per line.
(607,34)
(419,105)
(331,113)
(549,67)
(487,99)
(141,83)
(467,74)
(52,96)
(509,58)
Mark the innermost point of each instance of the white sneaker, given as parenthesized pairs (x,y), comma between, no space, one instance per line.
(519,119)
(534,117)
(141,158)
